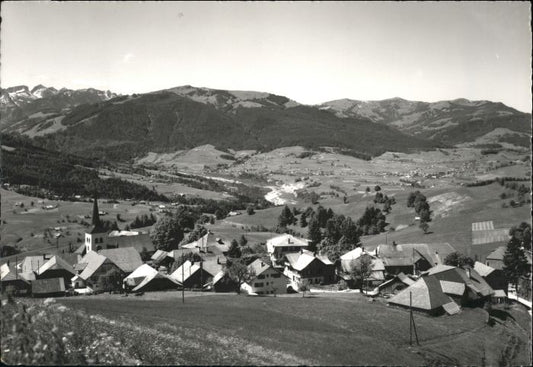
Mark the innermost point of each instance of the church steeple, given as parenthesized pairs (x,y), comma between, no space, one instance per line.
(96,213)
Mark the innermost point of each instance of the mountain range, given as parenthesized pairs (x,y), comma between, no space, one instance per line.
(101,123)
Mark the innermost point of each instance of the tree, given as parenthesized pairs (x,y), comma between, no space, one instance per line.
(387,206)
(243,241)
(361,268)
(303,286)
(377,188)
(367,189)
(250,210)
(522,233)
(514,262)
(458,259)
(167,233)
(424,226)
(220,214)
(303,220)
(234,251)
(314,234)
(286,217)
(239,273)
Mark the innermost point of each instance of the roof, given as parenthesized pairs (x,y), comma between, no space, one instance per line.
(405,279)
(300,261)
(70,259)
(426,294)
(352,255)
(138,242)
(454,288)
(439,269)
(199,243)
(51,285)
(96,229)
(211,265)
(81,249)
(92,261)
(404,254)
(285,240)
(148,279)
(176,254)
(258,266)
(32,263)
(122,233)
(497,254)
(186,270)
(160,255)
(499,293)
(141,272)
(56,263)
(218,276)
(482,269)
(126,258)
(468,276)
(451,308)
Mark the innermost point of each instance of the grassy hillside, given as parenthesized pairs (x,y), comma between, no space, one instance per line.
(322,329)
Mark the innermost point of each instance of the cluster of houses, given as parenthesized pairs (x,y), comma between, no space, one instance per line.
(409,275)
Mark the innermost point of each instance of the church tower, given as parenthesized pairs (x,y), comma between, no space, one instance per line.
(96,236)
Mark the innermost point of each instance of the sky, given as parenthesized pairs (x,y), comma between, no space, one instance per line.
(311,52)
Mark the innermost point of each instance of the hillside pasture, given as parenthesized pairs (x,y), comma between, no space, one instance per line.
(334,329)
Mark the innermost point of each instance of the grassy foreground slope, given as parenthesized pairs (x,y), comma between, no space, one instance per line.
(341,329)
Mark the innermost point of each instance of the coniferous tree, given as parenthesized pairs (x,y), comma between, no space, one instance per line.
(514,261)
(314,234)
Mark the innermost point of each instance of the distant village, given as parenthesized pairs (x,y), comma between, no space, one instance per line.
(404,275)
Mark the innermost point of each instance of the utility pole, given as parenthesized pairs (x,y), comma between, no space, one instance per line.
(16,269)
(412,325)
(182,278)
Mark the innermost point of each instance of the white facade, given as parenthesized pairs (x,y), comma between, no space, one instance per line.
(269,281)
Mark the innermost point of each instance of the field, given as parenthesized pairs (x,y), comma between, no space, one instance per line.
(341,329)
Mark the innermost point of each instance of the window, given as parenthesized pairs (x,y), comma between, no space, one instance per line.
(257,285)
(261,276)
(277,275)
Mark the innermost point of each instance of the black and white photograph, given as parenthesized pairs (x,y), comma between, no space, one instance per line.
(274,183)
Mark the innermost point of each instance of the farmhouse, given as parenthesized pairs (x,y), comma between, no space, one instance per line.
(279,246)
(223,283)
(127,259)
(10,278)
(409,258)
(145,278)
(307,266)
(494,277)
(353,258)
(96,272)
(465,286)
(56,267)
(266,280)
(495,258)
(396,284)
(48,287)
(425,295)
(192,275)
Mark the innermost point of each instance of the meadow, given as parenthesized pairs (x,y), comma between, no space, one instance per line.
(321,329)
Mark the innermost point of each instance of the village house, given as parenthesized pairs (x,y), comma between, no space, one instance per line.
(495,258)
(145,279)
(56,267)
(494,277)
(353,259)
(96,273)
(192,275)
(223,283)
(396,284)
(464,285)
(266,280)
(279,246)
(11,279)
(306,266)
(411,258)
(51,287)
(425,295)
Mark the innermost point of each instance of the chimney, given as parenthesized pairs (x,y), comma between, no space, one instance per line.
(262,264)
